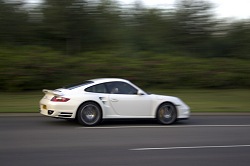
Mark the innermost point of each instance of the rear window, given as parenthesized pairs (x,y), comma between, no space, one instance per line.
(100,88)
(74,86)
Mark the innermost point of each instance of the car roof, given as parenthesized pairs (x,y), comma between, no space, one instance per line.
(102,80)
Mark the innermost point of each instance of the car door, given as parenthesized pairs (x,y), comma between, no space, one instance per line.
(126,102)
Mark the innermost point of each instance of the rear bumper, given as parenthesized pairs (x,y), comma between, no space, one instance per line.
(58,109)
(56,114)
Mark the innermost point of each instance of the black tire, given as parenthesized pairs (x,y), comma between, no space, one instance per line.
(89,114)
(166,113)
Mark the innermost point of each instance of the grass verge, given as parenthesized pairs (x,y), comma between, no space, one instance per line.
(230,100)
(23,102)
(233,100)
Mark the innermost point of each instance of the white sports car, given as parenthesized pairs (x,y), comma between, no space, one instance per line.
(110,98)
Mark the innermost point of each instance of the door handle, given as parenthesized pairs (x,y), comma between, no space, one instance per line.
(114,100)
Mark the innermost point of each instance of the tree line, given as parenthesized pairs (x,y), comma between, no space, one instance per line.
(41,41)
(75,26)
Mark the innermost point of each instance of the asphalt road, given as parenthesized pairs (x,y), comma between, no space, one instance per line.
(201,141)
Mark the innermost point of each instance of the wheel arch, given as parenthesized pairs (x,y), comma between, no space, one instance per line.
(91,101)
(165,102)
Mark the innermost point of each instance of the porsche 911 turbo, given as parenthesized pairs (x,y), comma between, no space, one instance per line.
(95,100)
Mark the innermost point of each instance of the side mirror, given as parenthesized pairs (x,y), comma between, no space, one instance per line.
(140,93)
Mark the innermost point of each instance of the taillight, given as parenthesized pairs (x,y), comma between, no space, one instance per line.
(59,99)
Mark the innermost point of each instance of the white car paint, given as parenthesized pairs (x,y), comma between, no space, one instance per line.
(140,105)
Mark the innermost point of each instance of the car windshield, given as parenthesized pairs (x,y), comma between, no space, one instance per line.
(77,85)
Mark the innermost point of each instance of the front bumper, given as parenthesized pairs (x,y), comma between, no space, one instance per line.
(183,112)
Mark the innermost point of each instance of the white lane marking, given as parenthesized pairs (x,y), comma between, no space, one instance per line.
(173,126)
(190,147)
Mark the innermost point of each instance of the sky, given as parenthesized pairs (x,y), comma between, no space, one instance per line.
(237,9)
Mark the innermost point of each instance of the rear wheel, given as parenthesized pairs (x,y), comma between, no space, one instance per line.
(166,113)
(89,114)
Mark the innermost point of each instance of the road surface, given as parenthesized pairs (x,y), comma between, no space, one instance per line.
(201,141)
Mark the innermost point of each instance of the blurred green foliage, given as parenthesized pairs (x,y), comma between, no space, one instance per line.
(54,43)
(32,68)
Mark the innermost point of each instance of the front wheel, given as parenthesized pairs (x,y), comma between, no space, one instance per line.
(89,114)
(166,113)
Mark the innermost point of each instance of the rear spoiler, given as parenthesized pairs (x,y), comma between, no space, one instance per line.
(53,92)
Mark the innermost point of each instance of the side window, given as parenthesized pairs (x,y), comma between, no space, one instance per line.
(121,88)
(100,88)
